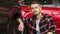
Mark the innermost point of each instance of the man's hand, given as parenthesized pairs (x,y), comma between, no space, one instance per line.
(21,27)
(49,33)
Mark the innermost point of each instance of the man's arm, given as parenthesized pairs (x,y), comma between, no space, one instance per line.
(21,25)
(52,27)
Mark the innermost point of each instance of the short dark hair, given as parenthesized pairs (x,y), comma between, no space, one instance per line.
(35,2)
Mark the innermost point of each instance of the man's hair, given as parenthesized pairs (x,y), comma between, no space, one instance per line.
(35,2)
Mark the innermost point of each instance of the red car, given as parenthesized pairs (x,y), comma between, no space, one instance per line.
(52,11)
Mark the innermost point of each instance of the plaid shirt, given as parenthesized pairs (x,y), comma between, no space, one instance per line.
(46,25)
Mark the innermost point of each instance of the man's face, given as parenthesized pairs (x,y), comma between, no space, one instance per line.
(35,9)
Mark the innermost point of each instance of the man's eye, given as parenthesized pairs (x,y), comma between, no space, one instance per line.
(36,7)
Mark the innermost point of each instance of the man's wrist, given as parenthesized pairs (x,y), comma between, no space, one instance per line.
(50,33)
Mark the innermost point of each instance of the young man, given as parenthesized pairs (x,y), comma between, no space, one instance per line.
(40,23)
